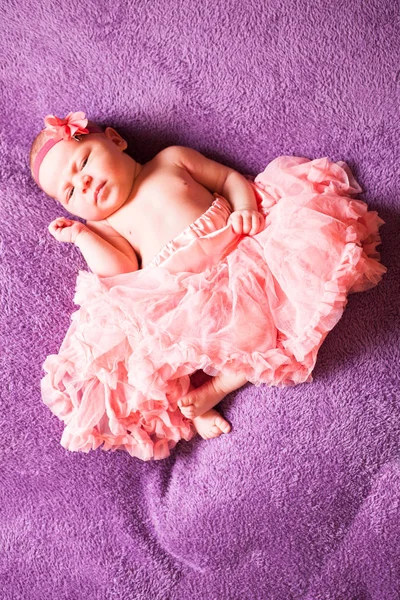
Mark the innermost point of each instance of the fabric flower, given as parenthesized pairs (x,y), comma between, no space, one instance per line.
(65,129)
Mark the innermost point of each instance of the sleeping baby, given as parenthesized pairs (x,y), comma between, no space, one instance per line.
(193,267)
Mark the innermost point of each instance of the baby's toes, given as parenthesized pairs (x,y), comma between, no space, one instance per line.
(188,411)
(187,400)
(221,425)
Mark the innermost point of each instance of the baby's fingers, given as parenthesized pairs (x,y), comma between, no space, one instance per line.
(64,230)
(59,223)
(257,223)
(236,221)
(247,220)
(53,224)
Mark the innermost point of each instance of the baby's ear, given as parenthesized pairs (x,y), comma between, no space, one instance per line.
(114,136)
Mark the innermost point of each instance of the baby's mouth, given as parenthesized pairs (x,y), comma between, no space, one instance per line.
(98,191)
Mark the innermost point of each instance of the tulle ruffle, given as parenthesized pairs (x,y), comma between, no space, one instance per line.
(215,301)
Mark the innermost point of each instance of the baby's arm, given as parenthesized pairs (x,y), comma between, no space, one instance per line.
(102,257)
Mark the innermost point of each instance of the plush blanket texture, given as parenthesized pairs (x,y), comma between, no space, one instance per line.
(301,501)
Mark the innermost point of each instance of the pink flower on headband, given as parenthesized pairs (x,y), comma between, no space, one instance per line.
(65,129)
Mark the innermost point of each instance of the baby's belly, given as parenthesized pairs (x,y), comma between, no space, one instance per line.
(160,227)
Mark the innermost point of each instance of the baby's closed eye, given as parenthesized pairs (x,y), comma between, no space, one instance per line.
(73,189)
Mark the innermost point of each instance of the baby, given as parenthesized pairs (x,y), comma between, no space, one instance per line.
(132,211)
(193,268)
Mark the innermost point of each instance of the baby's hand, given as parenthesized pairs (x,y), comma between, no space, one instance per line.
(66,230)
(246,221)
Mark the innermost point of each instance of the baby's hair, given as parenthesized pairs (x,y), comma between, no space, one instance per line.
(39,142)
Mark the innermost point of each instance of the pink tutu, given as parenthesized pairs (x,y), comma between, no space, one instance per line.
(216,301)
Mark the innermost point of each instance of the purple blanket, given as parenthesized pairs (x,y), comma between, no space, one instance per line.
(302,499)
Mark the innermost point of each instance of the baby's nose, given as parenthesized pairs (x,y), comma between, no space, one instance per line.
(85,182)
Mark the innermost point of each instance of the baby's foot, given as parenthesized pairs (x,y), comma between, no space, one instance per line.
(201,399)
(211,425)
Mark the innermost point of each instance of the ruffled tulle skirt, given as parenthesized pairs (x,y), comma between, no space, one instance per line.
(216,301)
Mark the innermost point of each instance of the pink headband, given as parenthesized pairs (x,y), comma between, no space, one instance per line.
(57,130)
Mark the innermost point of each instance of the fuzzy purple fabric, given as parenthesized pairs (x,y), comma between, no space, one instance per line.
(302,499)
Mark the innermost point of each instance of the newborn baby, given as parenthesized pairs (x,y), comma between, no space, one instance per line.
(194,267)
(132,211)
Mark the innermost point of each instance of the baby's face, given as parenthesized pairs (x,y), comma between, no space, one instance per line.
(91,178)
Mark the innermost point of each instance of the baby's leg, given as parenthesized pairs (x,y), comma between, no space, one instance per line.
(202,399)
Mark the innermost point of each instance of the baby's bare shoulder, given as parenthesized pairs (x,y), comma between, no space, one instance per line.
(167,165)
(171,155)
(207,172)
(179,156)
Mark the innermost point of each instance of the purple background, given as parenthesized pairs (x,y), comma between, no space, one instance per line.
(302,499)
